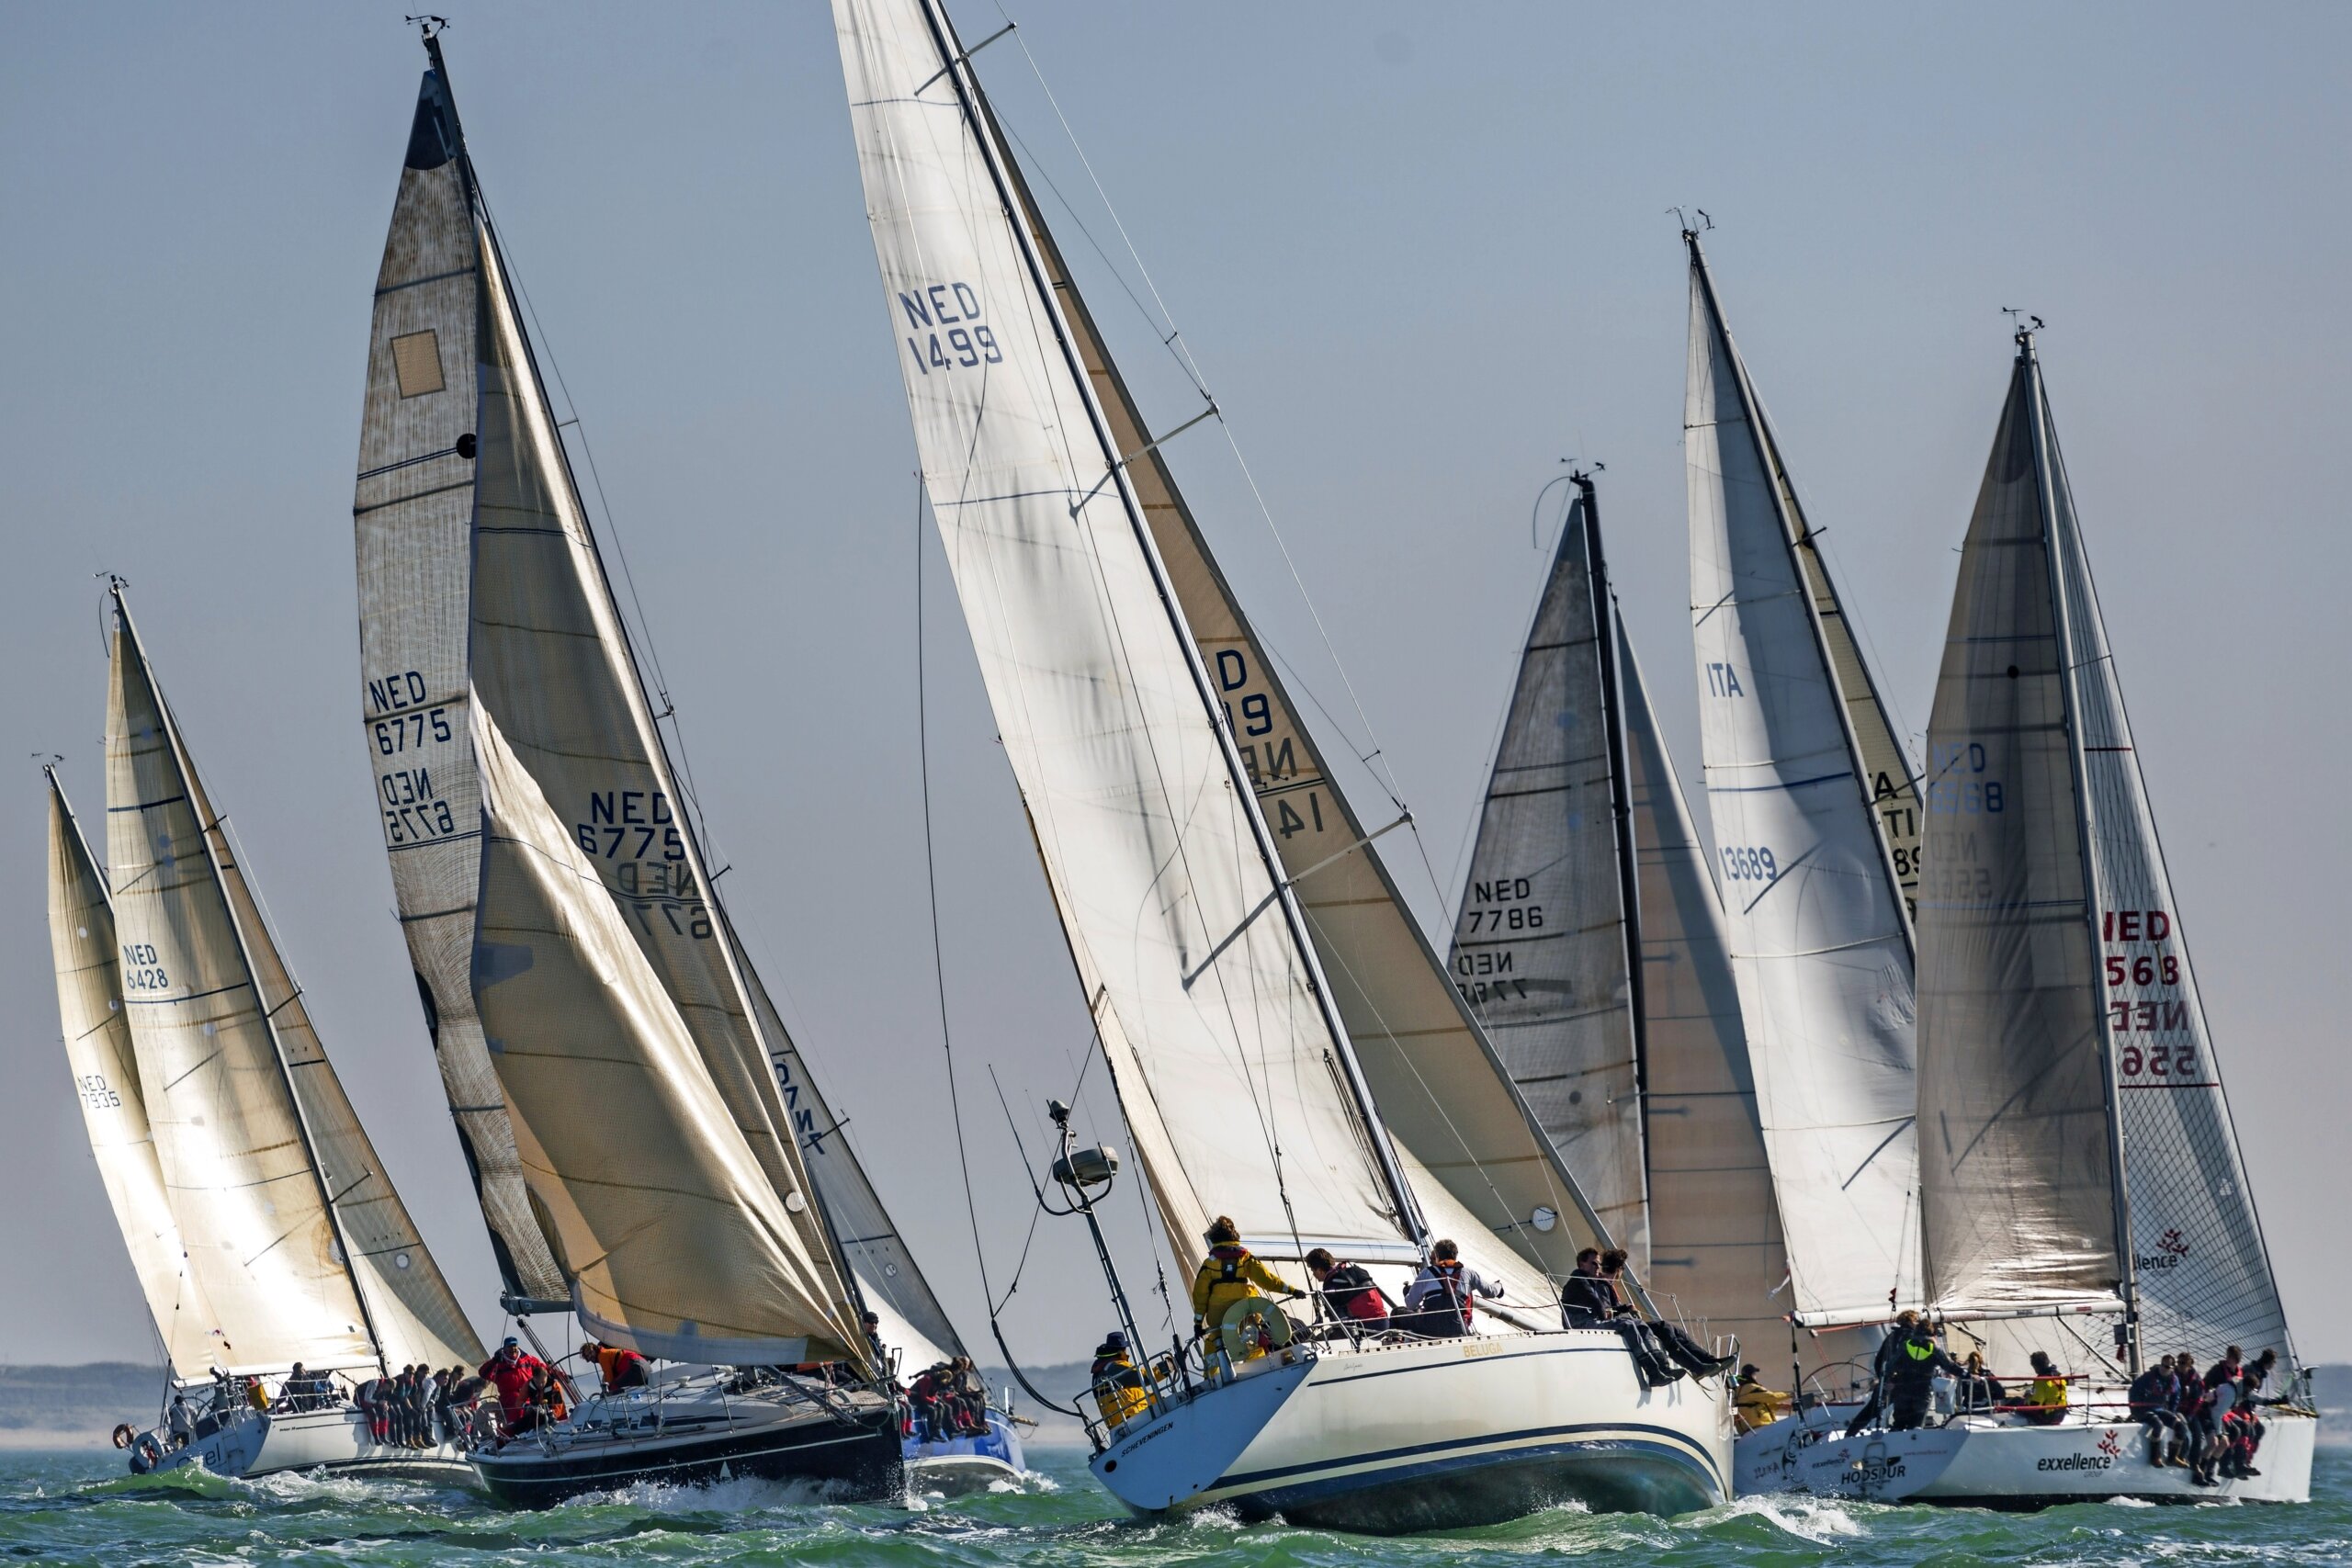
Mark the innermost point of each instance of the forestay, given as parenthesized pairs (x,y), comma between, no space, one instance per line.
(1820,941)
(1441,1089)
(255,1182)
(114,1107)
(1543,944)
(1233,1082)
(2016,1166)
(676,1242)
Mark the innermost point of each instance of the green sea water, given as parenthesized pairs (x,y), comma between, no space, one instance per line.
(79,1508)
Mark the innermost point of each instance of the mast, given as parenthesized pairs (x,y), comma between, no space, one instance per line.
(1621,801)
(1798,535)
(2045,497)
(205,830)
(958,67)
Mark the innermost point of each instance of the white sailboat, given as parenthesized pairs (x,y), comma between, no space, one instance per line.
(293,1247)
(1226,982)
(1590,940)
(2081,1188)
(571,953)
(1816,826)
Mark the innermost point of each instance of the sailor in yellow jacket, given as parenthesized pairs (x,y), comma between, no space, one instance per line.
(1228,1274)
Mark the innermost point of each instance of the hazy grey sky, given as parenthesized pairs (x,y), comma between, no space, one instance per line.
(1422,257)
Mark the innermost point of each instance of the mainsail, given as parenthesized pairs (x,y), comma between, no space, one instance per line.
(1591,939)
(1440,1088)
(114,1107)
(290,1223)
(485,610)
(2078,1144)
(1813,811)
(1237,1080)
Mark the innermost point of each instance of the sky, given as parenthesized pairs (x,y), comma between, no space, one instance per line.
(1421,257)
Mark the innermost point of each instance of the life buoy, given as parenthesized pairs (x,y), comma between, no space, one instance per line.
(146,1453)
(1251,1327)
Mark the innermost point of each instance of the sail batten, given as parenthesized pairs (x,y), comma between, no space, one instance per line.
(1809,797)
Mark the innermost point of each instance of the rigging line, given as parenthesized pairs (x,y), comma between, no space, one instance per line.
(682,765)
(931,884)
(1182,353)
(1036,1211)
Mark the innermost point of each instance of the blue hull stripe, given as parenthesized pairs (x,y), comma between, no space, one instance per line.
(1653,1438)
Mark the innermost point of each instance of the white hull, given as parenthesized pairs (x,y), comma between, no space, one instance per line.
(1431,1434)
(1993,1462)
(337,1440)
(960,1466)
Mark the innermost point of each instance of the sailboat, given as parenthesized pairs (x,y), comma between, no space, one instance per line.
(1815,811)
(225,1134)
(1247,1013)
(1591,942)
(650,1149)
(2080,1189)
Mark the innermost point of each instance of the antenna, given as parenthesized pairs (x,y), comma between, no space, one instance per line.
(429,27)
(1689,230)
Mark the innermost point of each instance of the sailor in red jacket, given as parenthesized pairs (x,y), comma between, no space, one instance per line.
(510,1372)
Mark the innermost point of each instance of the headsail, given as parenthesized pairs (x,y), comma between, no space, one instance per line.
(1237,1083)
(114,1107)
(291,1225)
(1821,942)
(1441,1089)
(676,1242)
(2057,1002)
(482,589)
(1715,1246)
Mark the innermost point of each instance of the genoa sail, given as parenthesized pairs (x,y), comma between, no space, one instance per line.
(1441,1089)
(1821,941)
(1234,1079)
(291,1225)
(1715,1225)
(675,1240)
(2058,1006)
(114,1107)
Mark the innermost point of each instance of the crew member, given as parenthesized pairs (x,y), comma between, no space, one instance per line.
(1120,1393)
(1686,1351)
(1752,1403)
(619,1369)
(510,1372)
(2045,1400)
(1351,1290)
(1911,1359)
(2153,1394)
(1437,1303)
(1228,1274)
(1589,1299)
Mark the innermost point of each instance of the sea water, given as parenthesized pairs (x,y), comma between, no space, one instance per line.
(81,1509)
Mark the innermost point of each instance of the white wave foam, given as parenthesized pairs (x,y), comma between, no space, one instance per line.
(1819,1522)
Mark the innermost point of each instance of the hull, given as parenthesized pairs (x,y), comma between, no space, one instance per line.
(338,1440)
(964,1465)
(691,1437)
(1430,1435)
(1986,1463)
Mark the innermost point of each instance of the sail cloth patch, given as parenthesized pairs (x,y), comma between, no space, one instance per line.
(416,363)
